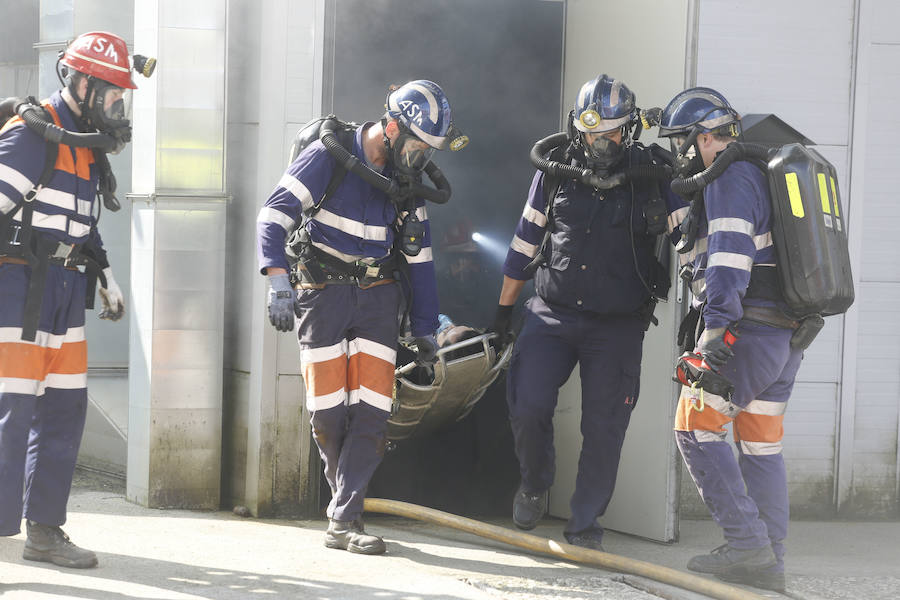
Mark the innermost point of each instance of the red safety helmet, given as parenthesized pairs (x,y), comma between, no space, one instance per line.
(101,54)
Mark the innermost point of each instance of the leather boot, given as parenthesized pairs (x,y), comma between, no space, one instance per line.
(726,560)
(351,536)
(49,543)
(528,508)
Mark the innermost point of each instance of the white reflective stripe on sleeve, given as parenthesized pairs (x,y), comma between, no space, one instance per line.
(272,215)
(57,198)
(314,403)
(317,355)
(6,205)
(15,179)
(425,255)
(523,247)
(676,217)
(375,349)
(765,407)
(731,224)
(84,208)
(364,394)
(78,230)
(355,228)
(42,338)
(763,241)
(296,187)
(761,448)
(534,215)
(734,260)
(709,436)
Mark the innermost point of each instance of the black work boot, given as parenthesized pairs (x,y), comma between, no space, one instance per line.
(351,536)
(49,543)
(766,579)
(528,508)
(589,538)
(726,560)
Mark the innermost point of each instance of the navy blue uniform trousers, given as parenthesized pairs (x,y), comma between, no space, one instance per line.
(43,397)
(608,351)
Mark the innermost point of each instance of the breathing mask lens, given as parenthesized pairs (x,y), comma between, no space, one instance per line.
(688,163)
(111,113)
(602,152)
(411,154)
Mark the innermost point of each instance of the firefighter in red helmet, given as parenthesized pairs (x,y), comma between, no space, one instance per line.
(51,257)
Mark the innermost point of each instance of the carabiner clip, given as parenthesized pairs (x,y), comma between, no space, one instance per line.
(694,405)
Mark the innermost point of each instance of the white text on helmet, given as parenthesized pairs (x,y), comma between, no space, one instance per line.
(412,110)
(99,45)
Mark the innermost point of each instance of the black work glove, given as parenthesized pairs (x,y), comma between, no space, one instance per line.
(281,302)
(426,350)
(502,325)
(687,331)
(715,346)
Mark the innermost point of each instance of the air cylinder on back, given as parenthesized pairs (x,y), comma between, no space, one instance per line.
(810,232)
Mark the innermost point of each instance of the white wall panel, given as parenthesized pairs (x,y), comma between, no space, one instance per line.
(773,56)
(882,215)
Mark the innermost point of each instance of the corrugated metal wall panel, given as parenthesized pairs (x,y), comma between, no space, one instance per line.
(878,388)
(758,55)
(882,215)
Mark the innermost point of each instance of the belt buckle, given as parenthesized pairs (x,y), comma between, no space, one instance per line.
(63,253)
(372,271)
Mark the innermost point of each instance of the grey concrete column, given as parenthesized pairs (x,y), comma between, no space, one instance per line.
(177,257)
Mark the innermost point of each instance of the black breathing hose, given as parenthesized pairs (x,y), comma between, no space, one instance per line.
(586,176)
(734,152)
(552,167)
(31,114)
(440,194)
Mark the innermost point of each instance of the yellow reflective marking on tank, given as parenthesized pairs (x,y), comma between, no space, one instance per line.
(837,205)
(823,194)
(793,189)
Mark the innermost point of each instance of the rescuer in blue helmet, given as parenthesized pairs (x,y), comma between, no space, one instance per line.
(729,258)
(352,223)
(590,248)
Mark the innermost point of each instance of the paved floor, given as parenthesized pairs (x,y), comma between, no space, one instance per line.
(177,555)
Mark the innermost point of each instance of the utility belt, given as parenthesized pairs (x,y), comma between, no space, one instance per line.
(39,253)
(805,330)
(315,269)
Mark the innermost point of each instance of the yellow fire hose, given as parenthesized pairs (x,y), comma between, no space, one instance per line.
(541,545)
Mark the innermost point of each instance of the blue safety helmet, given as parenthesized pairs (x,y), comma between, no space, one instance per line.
(700,107)
(603,104)
(423,109)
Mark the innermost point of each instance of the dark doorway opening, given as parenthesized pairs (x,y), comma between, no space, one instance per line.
(500,64)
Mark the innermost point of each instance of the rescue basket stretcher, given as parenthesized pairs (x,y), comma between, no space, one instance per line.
(462,373)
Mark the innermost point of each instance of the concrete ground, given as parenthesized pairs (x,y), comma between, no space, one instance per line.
(180,555)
